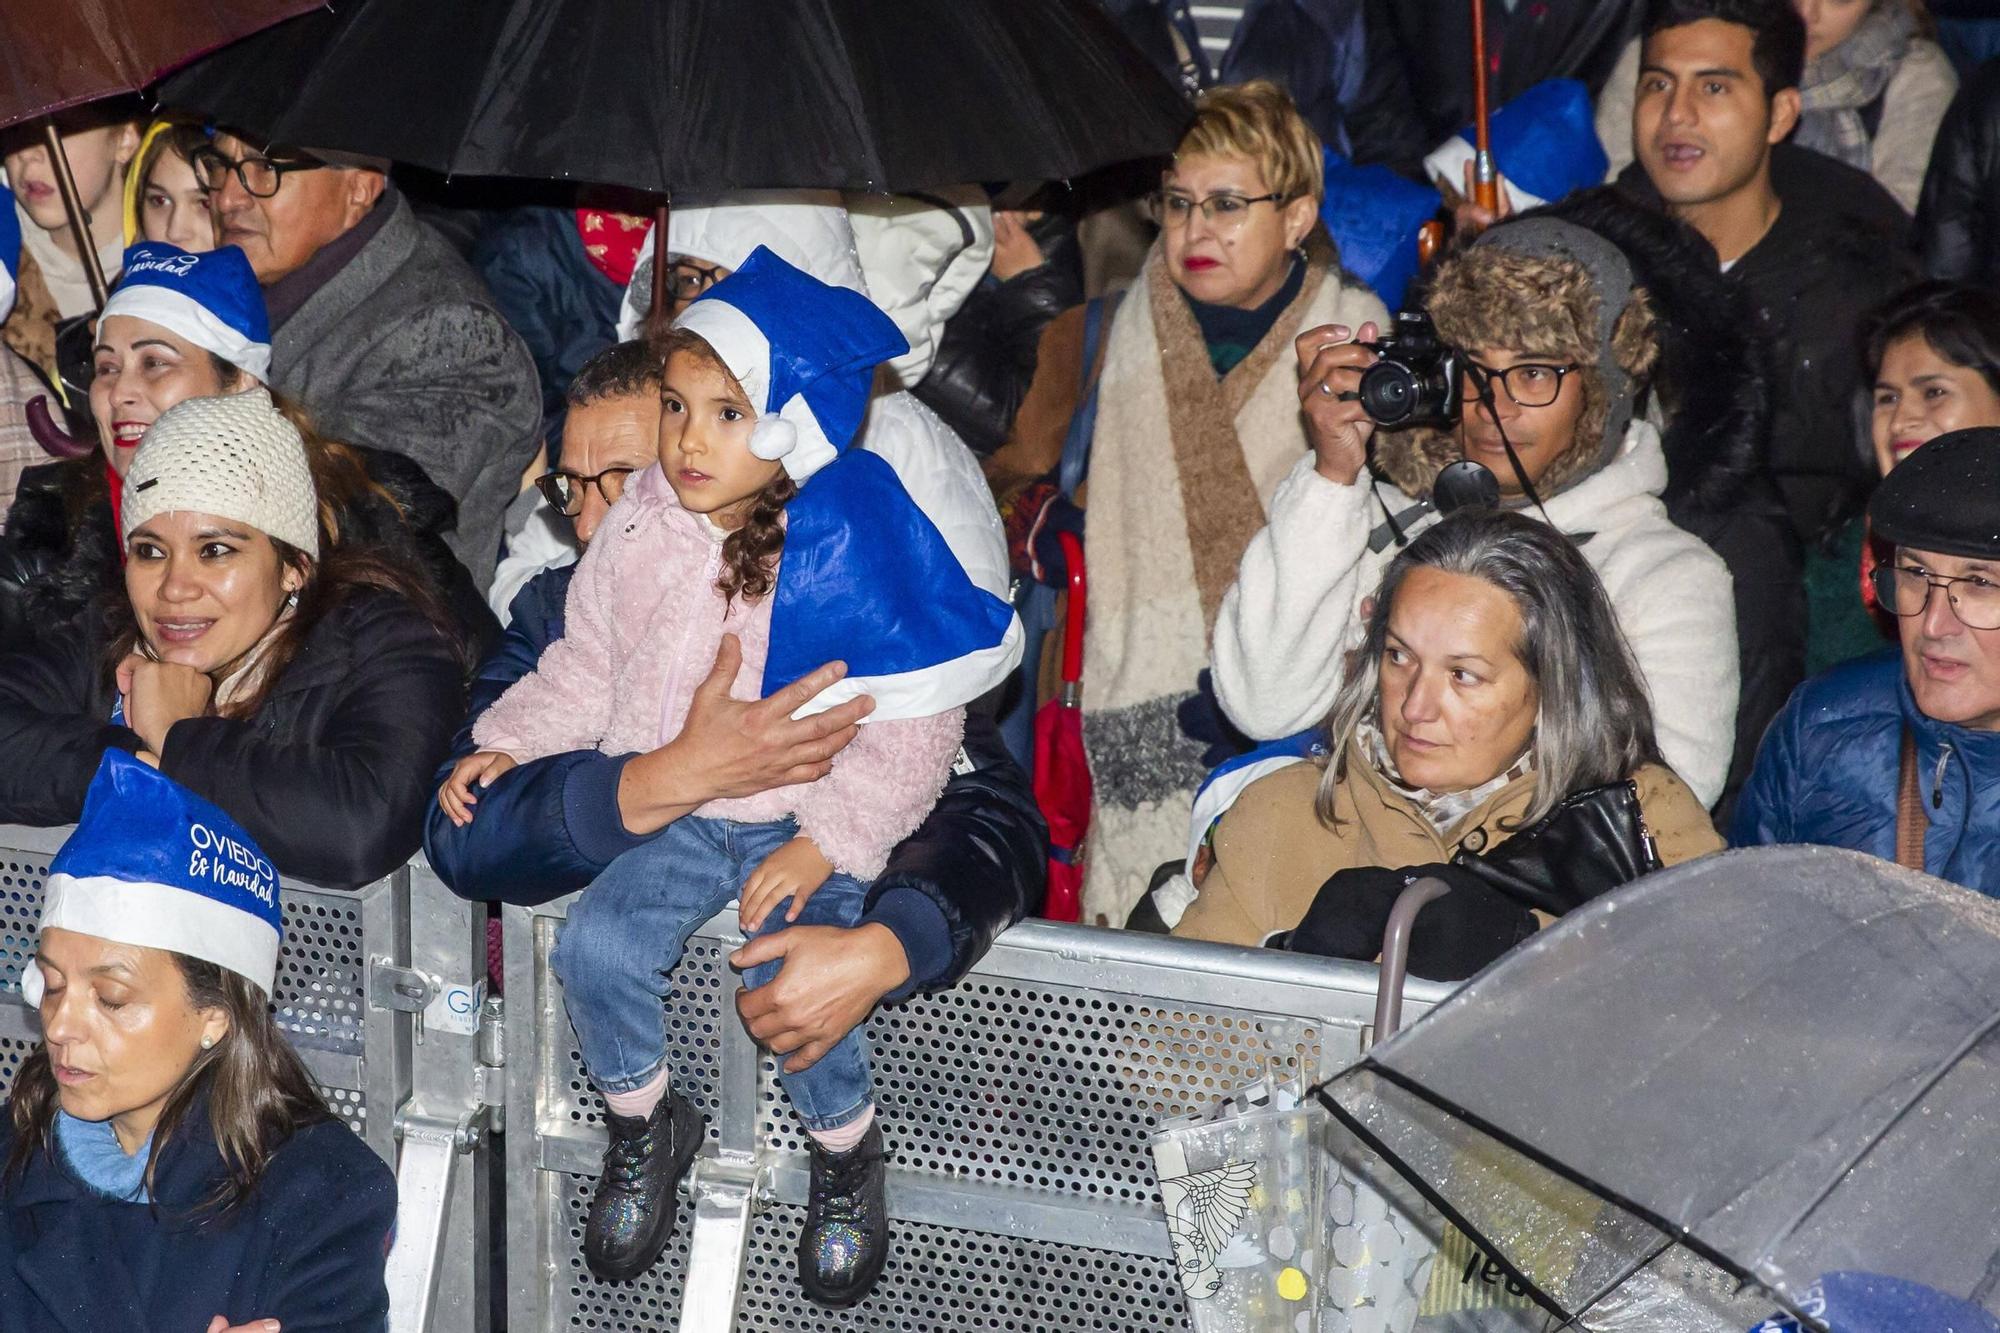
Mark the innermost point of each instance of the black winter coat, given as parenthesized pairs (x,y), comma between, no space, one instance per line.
(986,359)
(1958,217)
(308,1248)
(1712,387)
(976,865)
(58,554)
(332,775)
(1840,246)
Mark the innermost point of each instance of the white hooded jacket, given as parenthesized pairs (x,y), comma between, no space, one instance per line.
(1294,612)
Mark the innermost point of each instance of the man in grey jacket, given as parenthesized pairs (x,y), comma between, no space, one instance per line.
(380,329)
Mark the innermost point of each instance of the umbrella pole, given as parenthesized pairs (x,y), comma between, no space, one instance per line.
(1485,184)
(660,260)
(79,221)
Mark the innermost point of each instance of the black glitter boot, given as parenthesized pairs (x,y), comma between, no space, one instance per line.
(845,1240)
(632,1215)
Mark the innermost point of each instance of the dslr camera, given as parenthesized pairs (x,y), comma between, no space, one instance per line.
(1415,380)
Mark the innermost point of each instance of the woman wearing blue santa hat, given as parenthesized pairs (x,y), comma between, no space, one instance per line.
(167,1162)
(180,326)
(305,683)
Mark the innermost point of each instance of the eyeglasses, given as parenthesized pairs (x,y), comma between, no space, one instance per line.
(1224,212)
(260,177)
(687,279)
(1529,384)
(1905,590)
(564,490)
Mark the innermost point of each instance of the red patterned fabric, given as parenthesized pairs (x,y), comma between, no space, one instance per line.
(611,241)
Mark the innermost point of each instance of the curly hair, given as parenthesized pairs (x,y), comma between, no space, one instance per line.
(1258,121)
(1545,306)
(749,554)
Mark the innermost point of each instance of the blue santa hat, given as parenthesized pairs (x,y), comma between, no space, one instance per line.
(210,299)
(804,351)
(1373,215)
(10,256)
(1851,1301)
(154,865)
(865,578)
(1544,143)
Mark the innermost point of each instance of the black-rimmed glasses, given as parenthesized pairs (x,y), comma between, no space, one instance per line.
(1530,384)
(564,490)
(1905,590)
(260,177)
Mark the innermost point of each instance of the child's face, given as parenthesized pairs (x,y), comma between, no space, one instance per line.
(705,441)
(97,158)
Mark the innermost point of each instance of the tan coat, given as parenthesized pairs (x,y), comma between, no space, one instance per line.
(1272,854)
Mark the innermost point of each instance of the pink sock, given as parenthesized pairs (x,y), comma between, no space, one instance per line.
(639,1102)
(847,1135)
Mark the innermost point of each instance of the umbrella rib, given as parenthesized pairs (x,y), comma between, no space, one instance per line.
(1944,1067)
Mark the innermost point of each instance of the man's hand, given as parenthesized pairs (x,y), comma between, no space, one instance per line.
(729,747)
(159,694)
(1467,217)
(455,797)
(1331,360)
(221,1325)
(795,871)
(828,983)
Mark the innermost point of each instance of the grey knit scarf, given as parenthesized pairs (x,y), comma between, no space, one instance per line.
(1849,77)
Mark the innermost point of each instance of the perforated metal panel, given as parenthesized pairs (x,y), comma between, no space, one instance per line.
(1017,1109)
(938,1280)
(1050,1087)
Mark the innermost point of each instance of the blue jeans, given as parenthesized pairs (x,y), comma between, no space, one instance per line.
(617,951)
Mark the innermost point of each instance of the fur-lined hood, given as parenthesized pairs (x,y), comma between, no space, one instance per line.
(1709,389)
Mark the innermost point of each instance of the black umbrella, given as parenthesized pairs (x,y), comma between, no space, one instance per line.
(674,95)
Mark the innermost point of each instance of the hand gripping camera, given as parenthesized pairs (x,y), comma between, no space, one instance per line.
(1415,380)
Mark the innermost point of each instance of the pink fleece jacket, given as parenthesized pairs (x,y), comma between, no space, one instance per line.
(642,625)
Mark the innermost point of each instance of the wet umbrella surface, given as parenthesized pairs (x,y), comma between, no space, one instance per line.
(1718,1086)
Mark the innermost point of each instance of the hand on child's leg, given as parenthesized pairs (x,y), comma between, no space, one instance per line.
(455,797)
(795,871)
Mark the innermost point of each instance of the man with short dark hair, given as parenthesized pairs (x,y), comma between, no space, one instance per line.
(379,328)
(1813,242)
(1898,754)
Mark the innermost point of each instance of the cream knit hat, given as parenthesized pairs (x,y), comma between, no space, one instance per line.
(236,457)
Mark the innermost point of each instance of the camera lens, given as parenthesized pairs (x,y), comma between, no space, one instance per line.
(1388,392)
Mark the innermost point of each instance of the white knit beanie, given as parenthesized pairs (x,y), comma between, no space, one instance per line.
(236,457)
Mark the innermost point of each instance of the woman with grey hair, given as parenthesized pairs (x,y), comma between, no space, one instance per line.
(1492,685)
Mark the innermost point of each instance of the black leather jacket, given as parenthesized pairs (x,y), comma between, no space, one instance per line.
(1958,218)
(986,359)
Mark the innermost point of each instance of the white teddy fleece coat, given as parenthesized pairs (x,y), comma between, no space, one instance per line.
(1294,611)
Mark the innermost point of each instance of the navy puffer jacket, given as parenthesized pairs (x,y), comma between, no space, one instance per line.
(1829,767)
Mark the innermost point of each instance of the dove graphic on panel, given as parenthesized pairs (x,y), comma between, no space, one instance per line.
(1204,1209)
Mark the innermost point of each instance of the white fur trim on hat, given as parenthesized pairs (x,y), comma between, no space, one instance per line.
(236,457)
(791,435)
(159,916)
(181,314)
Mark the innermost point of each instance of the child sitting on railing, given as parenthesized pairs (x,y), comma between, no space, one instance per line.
(758,522)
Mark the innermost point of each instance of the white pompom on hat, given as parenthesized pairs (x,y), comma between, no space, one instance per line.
(236,457)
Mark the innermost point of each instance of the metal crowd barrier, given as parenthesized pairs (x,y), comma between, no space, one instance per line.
(1017,1110)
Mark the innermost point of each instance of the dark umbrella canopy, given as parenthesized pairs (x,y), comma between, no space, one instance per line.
(706,94)
(1769,1065)
(60,53)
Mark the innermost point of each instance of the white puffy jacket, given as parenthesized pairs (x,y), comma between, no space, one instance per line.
(1293,613)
